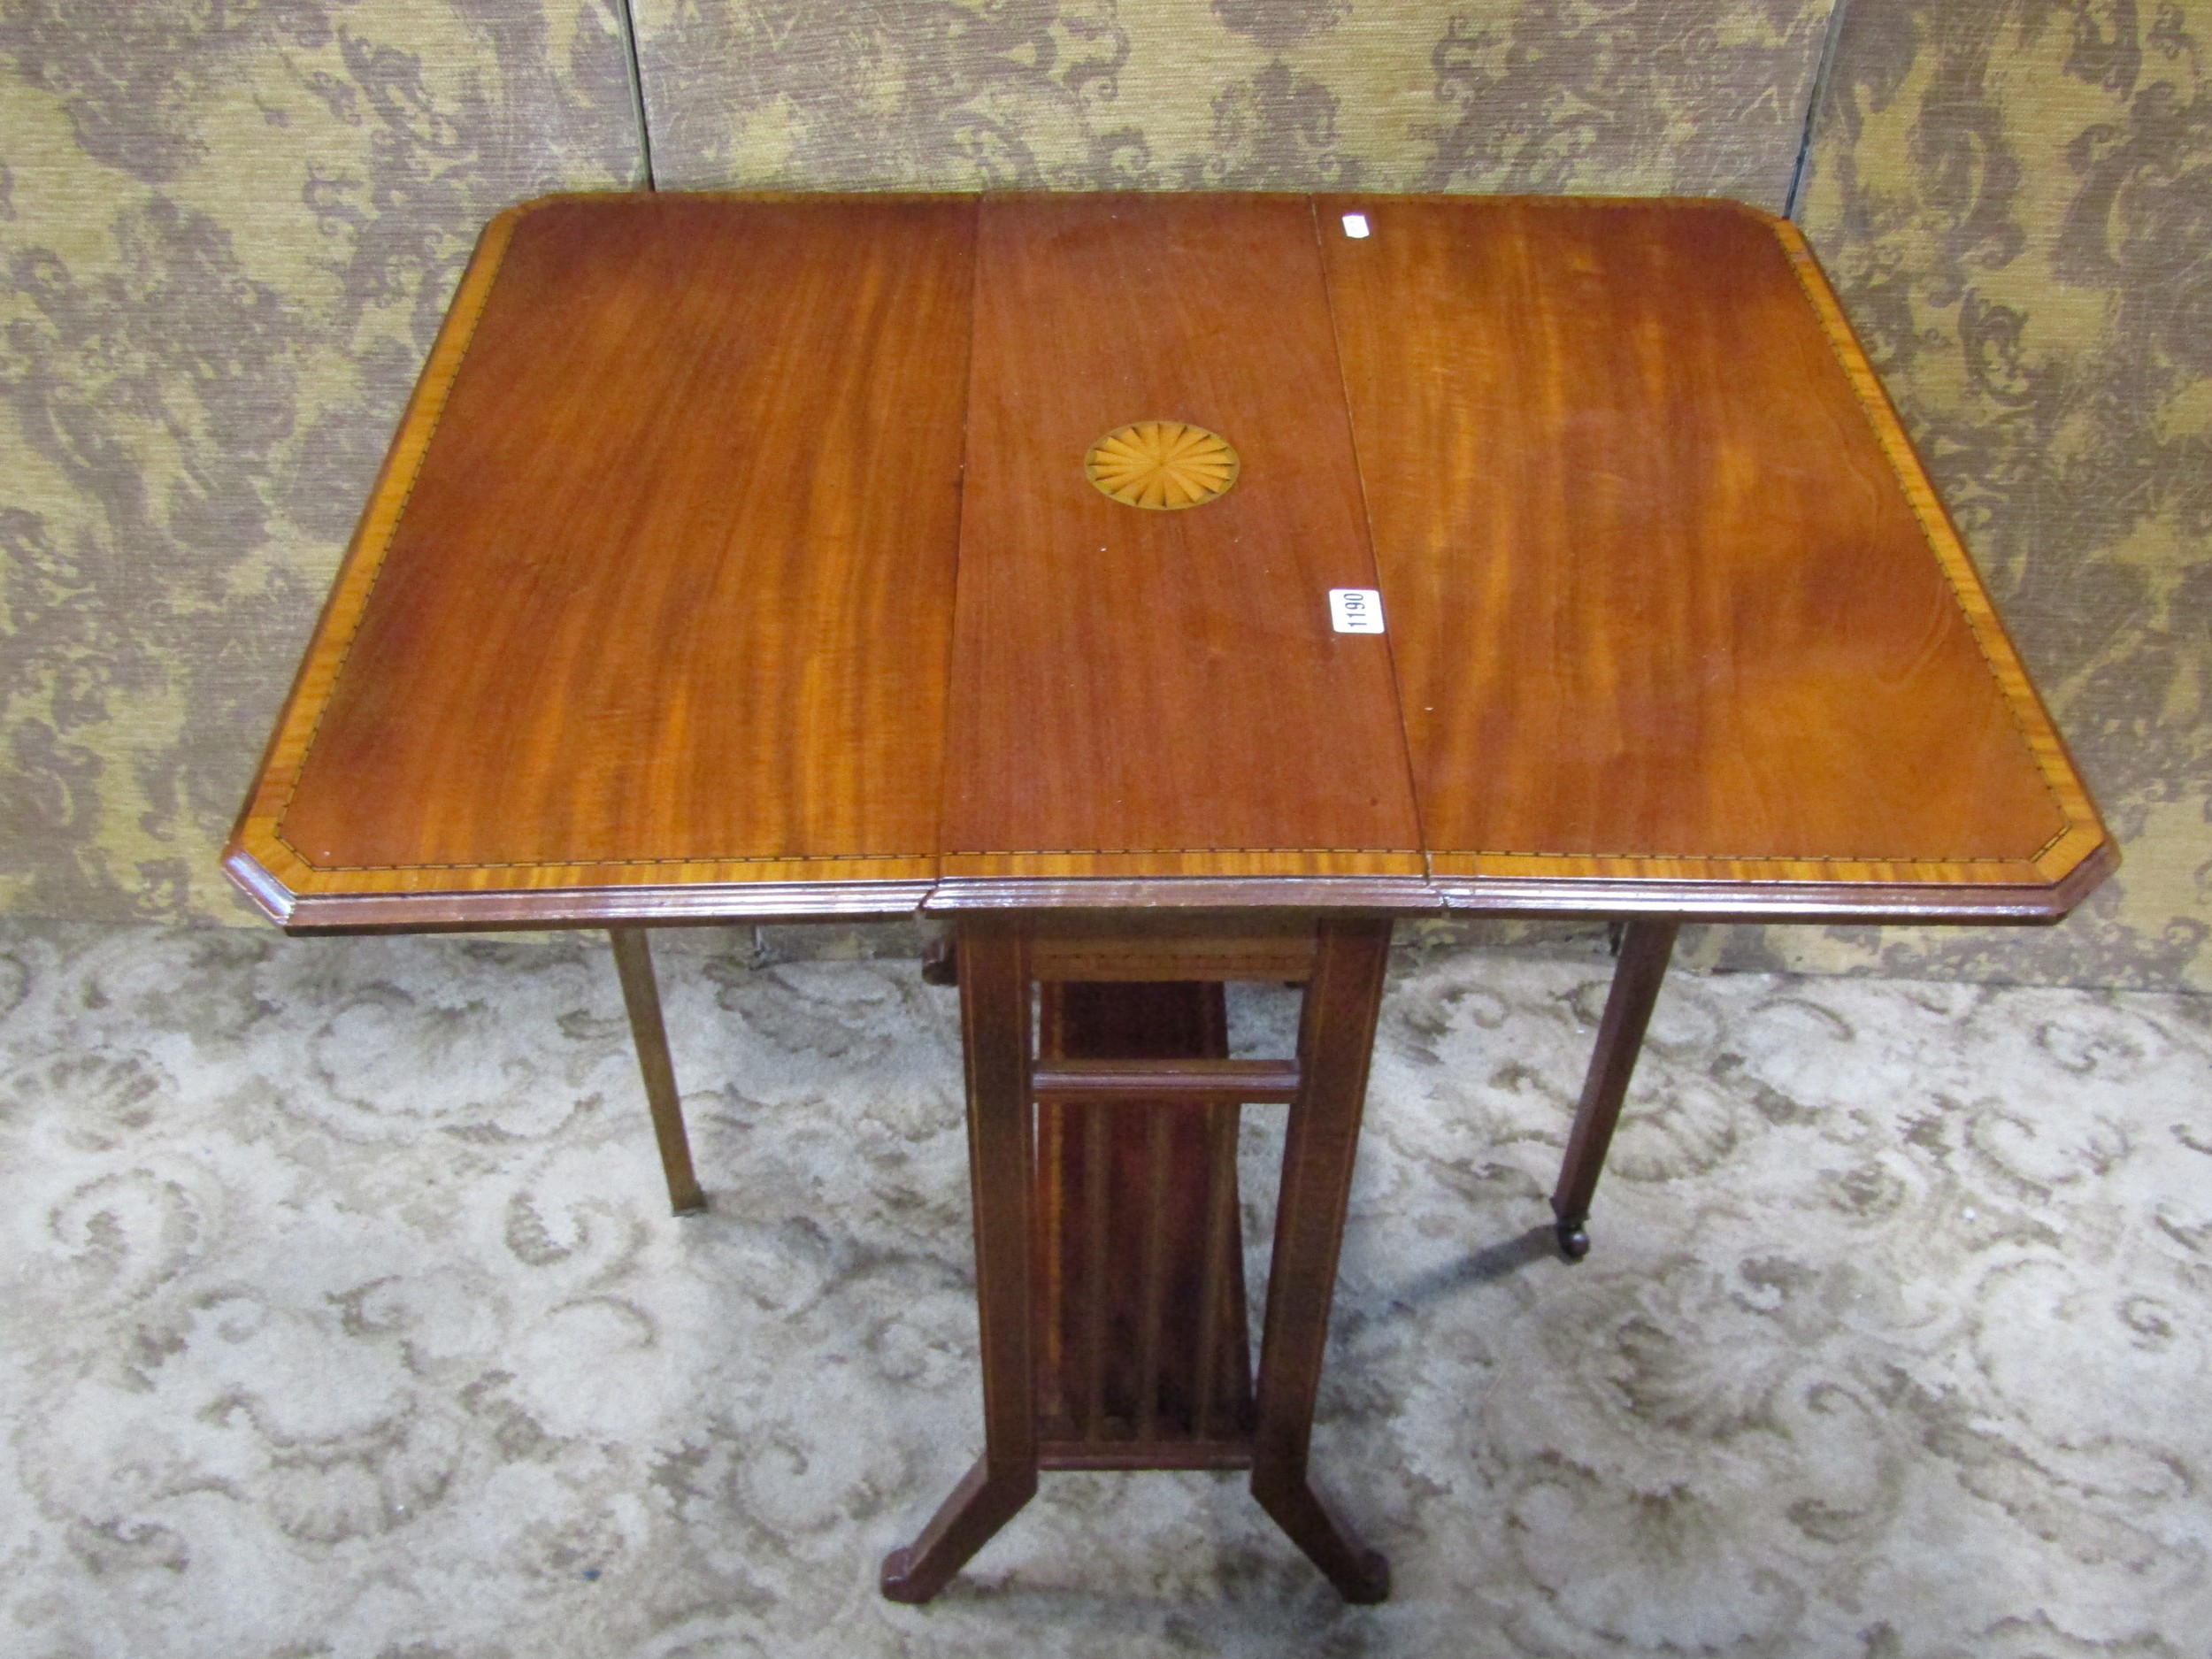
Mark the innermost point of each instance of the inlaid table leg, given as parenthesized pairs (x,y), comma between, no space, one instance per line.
(1336,1035)
(994,973)
(633,961)
(1645,950)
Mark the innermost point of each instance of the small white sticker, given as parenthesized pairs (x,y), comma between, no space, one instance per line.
(1355,610)
(1356,225)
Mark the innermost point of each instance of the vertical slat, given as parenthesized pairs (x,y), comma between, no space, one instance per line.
(1052,1221)
(1155,1270)
(1053,1200)
(1135,1218)
(1096,1161)
(1221,1194)
(640,995)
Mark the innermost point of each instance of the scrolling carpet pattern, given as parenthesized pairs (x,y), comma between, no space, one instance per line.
(341,1312)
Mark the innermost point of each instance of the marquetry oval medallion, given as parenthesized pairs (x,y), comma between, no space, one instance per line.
(1162,464)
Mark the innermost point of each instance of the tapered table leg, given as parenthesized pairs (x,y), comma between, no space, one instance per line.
(633,961)
(1336,1035)
(993,972)
(1646,947)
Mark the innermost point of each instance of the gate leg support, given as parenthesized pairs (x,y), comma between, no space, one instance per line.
(633,961)
(1645,950)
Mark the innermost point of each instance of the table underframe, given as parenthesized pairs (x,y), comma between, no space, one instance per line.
(1132,1076)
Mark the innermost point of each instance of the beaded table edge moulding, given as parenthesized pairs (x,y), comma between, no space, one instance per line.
(309,894)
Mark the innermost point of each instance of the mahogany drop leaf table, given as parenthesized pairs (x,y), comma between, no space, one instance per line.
(1161,591)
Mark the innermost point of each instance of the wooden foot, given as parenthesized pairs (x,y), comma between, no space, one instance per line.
(1361,1575)
(977,1508)
(1574,1240)
(1645,947)
(633,961)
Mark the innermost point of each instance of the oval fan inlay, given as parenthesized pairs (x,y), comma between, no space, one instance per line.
(1162,464)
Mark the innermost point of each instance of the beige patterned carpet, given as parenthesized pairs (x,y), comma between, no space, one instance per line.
(340,1314)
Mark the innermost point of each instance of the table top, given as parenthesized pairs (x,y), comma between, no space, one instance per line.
(746,557)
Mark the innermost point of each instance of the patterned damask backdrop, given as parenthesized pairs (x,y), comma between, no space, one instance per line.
(2015,202)
(230,231)
(229,234)
(1637,97)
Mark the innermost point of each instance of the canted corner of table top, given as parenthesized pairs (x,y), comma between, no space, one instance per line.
(572,669)
(1679,623)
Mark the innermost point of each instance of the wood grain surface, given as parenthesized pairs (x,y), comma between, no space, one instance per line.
(671,593)
(736,559)
(1161,693)
(1663,602)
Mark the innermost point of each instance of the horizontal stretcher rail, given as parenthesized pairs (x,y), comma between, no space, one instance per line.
(1194,1081)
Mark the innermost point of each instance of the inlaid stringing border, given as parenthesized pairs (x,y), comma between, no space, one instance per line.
(364,562)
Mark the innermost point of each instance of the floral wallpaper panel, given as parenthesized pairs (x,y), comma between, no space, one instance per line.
(228,234)
(2014,201)
(1689,97)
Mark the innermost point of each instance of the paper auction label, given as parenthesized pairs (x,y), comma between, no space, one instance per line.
(1355,610)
